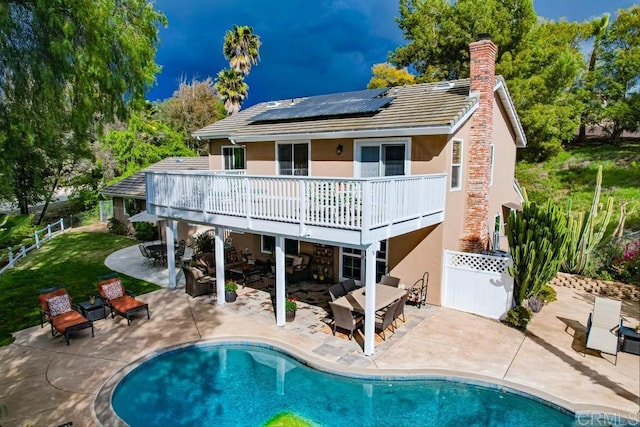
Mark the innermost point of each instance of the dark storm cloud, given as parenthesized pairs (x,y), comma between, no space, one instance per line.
(308,47)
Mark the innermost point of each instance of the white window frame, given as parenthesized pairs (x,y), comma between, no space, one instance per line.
(379,142)
(277,162)
(459,165)
(491,164)
(379,260)
(233,147)
(266,251)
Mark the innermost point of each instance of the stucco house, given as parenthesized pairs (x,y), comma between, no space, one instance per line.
(368,183)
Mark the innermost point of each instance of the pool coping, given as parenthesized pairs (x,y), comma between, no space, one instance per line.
(104,415)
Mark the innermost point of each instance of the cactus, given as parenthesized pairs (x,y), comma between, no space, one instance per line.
(537,243)
(586,232)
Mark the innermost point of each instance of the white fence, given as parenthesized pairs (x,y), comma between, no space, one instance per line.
(41,236)
(478,284)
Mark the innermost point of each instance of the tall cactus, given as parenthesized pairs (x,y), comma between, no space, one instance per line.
(537,242)
(586,232)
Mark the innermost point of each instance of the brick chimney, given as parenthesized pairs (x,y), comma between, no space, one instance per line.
(482,55)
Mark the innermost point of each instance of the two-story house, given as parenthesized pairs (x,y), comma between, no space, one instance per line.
(369,182)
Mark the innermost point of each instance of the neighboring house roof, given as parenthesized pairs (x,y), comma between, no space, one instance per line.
(421,109)
(134,186)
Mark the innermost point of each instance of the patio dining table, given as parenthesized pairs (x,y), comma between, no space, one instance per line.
(385,295)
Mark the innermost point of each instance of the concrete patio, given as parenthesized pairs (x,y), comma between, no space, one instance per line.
(46,382)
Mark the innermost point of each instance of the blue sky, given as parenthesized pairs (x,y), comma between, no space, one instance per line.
(308,47)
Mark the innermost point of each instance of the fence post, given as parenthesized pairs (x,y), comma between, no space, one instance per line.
(23,250)
(48,230)
(10,249)
(61,225)
(37,239)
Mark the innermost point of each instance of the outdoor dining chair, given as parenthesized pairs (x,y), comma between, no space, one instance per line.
(386,320)
(119,300)
(345,319)
(390,281)
(400,310)
(56,308)
(349,285)
(336,291)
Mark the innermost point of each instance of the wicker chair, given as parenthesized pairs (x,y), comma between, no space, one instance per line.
(119,300)
(336,291)
(390,281)
(383,323)
(196,283)
(345,319)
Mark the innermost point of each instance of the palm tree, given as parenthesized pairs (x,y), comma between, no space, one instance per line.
(241,48)
(232,89)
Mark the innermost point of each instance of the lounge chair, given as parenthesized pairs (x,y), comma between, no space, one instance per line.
(390,281)
(603,327)
(345,319)
(119,300)
(56,308)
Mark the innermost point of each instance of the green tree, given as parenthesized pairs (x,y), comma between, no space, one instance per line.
(242,48)
(232,89)
(142,141)
(193,106)
(386,75)
(67,69)
(618,76)
(543,80)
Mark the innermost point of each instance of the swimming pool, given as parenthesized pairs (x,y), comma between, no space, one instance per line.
(242,385)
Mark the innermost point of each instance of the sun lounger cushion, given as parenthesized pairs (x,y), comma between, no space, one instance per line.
(59,304)
(125,303)
(66,320)
(113,290)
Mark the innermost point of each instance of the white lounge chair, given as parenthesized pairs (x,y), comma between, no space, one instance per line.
(603,326)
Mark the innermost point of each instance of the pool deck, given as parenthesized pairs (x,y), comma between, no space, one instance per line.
(45,382)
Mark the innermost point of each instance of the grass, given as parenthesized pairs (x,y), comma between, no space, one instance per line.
(572,175)
(74,259)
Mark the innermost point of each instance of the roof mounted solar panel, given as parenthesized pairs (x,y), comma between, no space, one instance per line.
(356,102)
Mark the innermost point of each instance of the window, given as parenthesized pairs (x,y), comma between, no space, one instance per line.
(291,247)
(353,263)
(293,159)
(493,147)
(382,158)
(456,165)
(233,157)
(133,206)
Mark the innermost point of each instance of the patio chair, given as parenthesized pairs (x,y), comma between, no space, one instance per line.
(119,300)
(196,283)
(390,281)
(400,310)
(56,309)
(603,327)
(349,285)
(147,257)
(388,316)
(336,291)
(300,268)
(345,319)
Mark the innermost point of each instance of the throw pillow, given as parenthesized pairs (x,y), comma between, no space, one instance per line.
(112,290)
(297,260)
(59,304)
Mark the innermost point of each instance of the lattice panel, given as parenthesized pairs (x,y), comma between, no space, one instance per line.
(478,262)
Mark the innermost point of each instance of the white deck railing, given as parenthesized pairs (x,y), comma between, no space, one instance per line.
(345,203)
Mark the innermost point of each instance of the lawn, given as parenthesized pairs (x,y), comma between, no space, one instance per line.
(572,175)
(74,259)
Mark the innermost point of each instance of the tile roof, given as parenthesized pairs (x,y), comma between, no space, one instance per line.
(134,186)
(428,105)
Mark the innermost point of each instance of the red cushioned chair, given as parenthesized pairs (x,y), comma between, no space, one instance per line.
(119,300)
(56,309)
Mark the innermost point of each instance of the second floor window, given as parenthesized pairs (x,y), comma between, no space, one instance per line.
(456,165)
(233,157)
(293,159)
(382,157)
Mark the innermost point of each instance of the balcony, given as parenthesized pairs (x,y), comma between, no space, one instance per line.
(355,211)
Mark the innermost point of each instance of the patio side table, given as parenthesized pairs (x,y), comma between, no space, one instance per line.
(95,311)
(630,340)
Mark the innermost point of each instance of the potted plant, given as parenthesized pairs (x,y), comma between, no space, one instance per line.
(230,288)
(290,307)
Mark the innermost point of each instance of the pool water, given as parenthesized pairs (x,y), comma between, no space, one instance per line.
(234,385)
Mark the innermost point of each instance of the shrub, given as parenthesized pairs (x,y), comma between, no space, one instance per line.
(547,294)
(116,226)
(518,317)
(537,244)
(203,243)
(145,231)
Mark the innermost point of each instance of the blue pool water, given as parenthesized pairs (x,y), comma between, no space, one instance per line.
(234,385)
